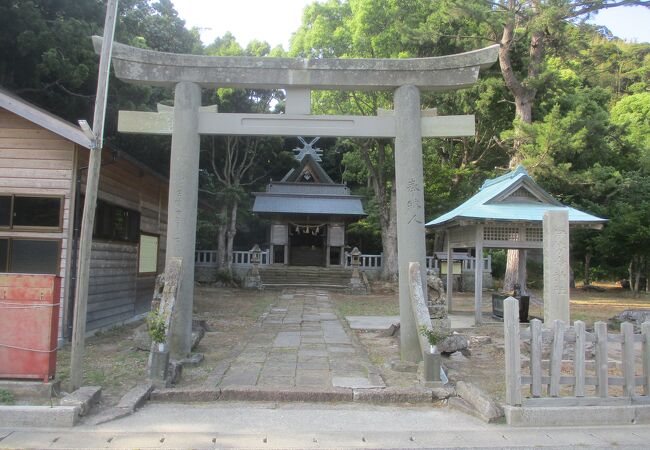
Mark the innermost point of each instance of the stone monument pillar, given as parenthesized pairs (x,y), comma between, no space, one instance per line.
(182,208)
(410,209)
(437,303)
(556,267)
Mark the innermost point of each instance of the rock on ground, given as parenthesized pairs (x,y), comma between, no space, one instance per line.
(636,316)
(453,343)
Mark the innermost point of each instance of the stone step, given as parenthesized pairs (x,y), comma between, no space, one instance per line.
(278,276)
(335,287)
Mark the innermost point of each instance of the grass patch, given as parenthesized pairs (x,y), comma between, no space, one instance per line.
(6,397)
(366,305)
(219,302)
(591,307)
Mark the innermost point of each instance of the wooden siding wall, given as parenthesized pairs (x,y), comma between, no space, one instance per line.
(35,161)
(116,291)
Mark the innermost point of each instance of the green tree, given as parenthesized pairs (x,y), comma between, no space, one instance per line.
(47,57)
(230,164)
(390,29)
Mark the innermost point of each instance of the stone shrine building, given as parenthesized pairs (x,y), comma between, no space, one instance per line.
(308,213)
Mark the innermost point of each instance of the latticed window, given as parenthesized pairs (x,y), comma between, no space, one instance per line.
(524,193)
(494,233)
(534,234)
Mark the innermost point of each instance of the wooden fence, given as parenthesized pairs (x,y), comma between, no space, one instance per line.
(577,381)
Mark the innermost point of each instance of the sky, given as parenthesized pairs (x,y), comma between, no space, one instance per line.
(274,20)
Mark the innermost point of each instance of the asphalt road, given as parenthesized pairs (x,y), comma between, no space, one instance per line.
(301,425)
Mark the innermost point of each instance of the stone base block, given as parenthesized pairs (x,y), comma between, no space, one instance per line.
(567,416)
(253,282)
(39,416)
(32,389)
(158,368)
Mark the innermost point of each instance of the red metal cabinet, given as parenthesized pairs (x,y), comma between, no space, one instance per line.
(29,325)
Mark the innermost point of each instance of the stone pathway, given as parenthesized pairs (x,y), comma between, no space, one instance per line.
(300,342)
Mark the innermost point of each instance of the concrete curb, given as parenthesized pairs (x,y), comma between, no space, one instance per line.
(39,416)
(66,414)
(127,405)
(568,416)
(346,395)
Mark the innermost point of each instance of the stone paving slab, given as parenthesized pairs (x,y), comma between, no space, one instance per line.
(353,382)
(299,343)
(383,323)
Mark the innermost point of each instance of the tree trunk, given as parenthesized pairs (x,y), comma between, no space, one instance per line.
(511,276)
(635,274)
(230,235)
(389,237)
(221,237)
(587,269)
(524,97)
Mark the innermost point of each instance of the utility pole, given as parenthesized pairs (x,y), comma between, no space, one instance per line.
(96,136)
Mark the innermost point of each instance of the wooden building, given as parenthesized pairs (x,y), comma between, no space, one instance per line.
(308,213)
(43,161)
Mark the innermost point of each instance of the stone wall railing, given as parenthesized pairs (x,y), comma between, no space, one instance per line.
(208,258)
(374,262)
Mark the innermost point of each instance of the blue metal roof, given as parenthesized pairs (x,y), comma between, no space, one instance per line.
(492,202)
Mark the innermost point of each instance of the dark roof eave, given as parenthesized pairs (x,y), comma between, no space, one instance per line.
(302,213)
(326,196)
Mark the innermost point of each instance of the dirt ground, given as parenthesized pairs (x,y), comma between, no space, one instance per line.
(114,361)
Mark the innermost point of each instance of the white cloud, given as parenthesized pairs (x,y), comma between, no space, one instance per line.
(266,20)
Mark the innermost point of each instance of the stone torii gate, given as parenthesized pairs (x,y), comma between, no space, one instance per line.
(187,74)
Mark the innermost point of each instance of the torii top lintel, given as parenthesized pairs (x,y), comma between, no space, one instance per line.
(136,65)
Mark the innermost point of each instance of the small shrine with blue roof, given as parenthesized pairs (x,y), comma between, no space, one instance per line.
(508,213)
(309,213)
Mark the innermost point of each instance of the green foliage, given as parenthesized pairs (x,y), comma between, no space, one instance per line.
(498,263)
(434,336)
(632,115)
(223,276)
(95,377)
(587,142)
(156,326)
(6,397)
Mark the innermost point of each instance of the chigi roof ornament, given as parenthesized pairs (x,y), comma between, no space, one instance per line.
(308,149)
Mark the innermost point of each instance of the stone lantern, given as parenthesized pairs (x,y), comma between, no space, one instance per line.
(253,279)
(356,262)
(356,286)
(256,257)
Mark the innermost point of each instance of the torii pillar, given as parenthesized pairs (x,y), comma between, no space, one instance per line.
(409,184)
(406,77)
(182,208)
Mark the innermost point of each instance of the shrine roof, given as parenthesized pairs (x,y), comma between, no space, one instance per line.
(513,197)
(312,204)
(308,164)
